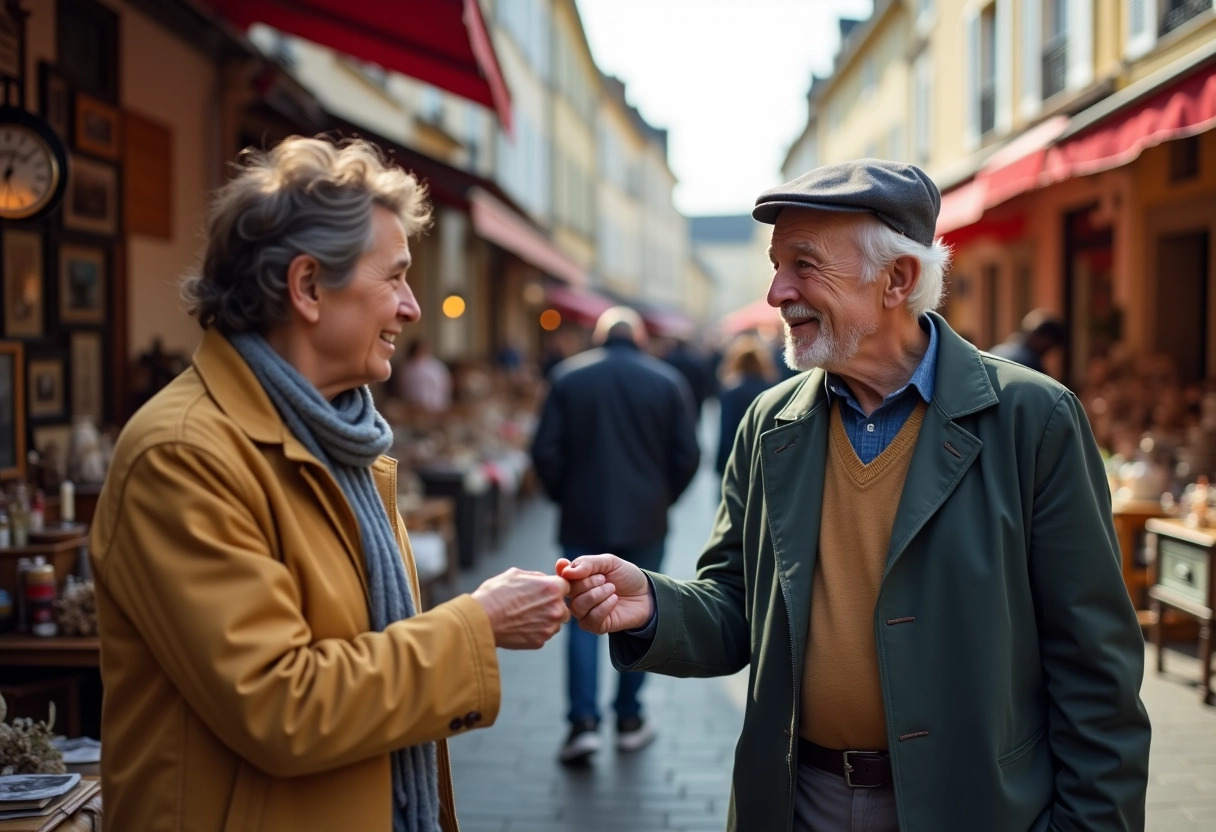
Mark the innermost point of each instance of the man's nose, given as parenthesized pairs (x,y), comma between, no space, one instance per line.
(407,305)
(781,289)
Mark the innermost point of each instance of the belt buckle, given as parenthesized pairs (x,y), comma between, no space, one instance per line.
(848,772)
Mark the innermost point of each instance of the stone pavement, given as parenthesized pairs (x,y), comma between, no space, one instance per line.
(507,778)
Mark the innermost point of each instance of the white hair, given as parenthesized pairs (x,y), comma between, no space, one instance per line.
(880,245)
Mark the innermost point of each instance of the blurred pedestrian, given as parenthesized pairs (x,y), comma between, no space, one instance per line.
(423,380)
(615,446)
(914,555)
(695,369)
(1041,333)
(747,371)
(264,658)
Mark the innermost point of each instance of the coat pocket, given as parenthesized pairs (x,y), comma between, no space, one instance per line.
(1023,749)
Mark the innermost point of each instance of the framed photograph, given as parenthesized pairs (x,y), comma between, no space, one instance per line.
(87,381)
(87,45)
(55,100)
(82,284)
(91,203)
(22,284)
(97,126)
(12,410)
(44,387)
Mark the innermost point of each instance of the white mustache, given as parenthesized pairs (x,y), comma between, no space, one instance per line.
(798,312)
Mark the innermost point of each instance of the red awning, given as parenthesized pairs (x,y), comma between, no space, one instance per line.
(961,206)
(494,221)
(441,42)
(668,323)
(1016,167)
(1185,108)
(755,315)
(580,306)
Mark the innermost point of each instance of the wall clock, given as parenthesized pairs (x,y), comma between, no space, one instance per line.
(33,166)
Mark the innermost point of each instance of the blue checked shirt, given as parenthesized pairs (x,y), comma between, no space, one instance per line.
(870,435)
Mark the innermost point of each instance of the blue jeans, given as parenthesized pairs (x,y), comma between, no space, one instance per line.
(582,650)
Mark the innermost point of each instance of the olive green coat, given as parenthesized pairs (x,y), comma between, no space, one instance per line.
(1009,652)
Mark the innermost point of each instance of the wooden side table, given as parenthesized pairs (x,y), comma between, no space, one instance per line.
(1130,517)
(436,514)
(1186,582)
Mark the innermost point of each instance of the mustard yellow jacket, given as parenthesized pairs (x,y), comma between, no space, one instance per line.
(244,689)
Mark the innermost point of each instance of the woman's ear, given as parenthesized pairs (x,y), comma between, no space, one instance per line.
(903,276)
(303,287)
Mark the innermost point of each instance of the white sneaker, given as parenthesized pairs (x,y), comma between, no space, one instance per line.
(633,733)
(583,741)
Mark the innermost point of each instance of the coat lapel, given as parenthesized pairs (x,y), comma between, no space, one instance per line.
(792,465)
(944,450)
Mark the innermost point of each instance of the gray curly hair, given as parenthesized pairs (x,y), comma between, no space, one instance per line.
(309,196)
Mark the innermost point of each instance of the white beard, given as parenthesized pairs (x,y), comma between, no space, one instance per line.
(827,348)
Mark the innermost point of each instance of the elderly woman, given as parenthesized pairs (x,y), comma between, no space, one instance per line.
(264,660)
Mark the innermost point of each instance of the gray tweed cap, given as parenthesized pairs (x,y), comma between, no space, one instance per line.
(901,195)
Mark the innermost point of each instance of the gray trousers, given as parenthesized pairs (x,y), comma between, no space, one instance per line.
(825,803)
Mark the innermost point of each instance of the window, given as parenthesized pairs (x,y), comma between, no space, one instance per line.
(987,75)
(1175,13)
(1054,55)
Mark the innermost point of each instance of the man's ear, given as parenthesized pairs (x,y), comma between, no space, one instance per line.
(903,276)
(304,288)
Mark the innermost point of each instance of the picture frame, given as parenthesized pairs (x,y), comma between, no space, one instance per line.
(97,128)
(91,202)
(87,383)
(23,267)
(45,396)
(55,100)
(50,440)
(12,410)
(83,281)
(86,40)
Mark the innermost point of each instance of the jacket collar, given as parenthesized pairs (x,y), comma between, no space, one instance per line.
(968,390)
(237,391)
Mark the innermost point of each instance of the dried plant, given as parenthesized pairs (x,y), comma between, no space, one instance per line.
(76,609)
(25,745)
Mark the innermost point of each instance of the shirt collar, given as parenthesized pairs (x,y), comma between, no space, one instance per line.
(924,378)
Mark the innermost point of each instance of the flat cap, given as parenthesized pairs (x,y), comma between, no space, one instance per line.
(902,196)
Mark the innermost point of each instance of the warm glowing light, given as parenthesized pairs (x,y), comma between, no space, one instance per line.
(534,294)
(453,306)
(550,320)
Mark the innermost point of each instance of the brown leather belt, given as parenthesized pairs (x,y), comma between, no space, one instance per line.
(860,769)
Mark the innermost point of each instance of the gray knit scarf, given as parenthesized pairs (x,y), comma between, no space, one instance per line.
(348,435)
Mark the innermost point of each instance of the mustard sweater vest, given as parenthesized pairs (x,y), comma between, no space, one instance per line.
(841,695)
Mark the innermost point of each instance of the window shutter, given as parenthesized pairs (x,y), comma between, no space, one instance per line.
(971,88)
(1079,23)
(1032,62)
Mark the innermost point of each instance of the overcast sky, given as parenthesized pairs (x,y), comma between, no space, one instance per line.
(726,78)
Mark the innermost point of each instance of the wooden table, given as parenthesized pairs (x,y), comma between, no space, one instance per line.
(56,651)
(1186,582)
(436,514)
(1130,517)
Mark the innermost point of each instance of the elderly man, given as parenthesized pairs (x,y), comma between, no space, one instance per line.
(913,555)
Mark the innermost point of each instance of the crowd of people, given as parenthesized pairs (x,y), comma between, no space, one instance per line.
(913,554)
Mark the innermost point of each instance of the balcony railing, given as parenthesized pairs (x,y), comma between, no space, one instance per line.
(987,108)
(1055,66)
(1178,12)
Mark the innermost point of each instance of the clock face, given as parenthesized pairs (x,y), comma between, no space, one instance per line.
(29,171)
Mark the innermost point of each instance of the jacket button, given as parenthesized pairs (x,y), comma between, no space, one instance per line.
(456,724)
(471,719)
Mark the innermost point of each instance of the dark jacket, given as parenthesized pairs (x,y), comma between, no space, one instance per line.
(1009,654)
(616,445)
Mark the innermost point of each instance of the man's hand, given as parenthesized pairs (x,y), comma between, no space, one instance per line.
(525,608)
(607,594)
